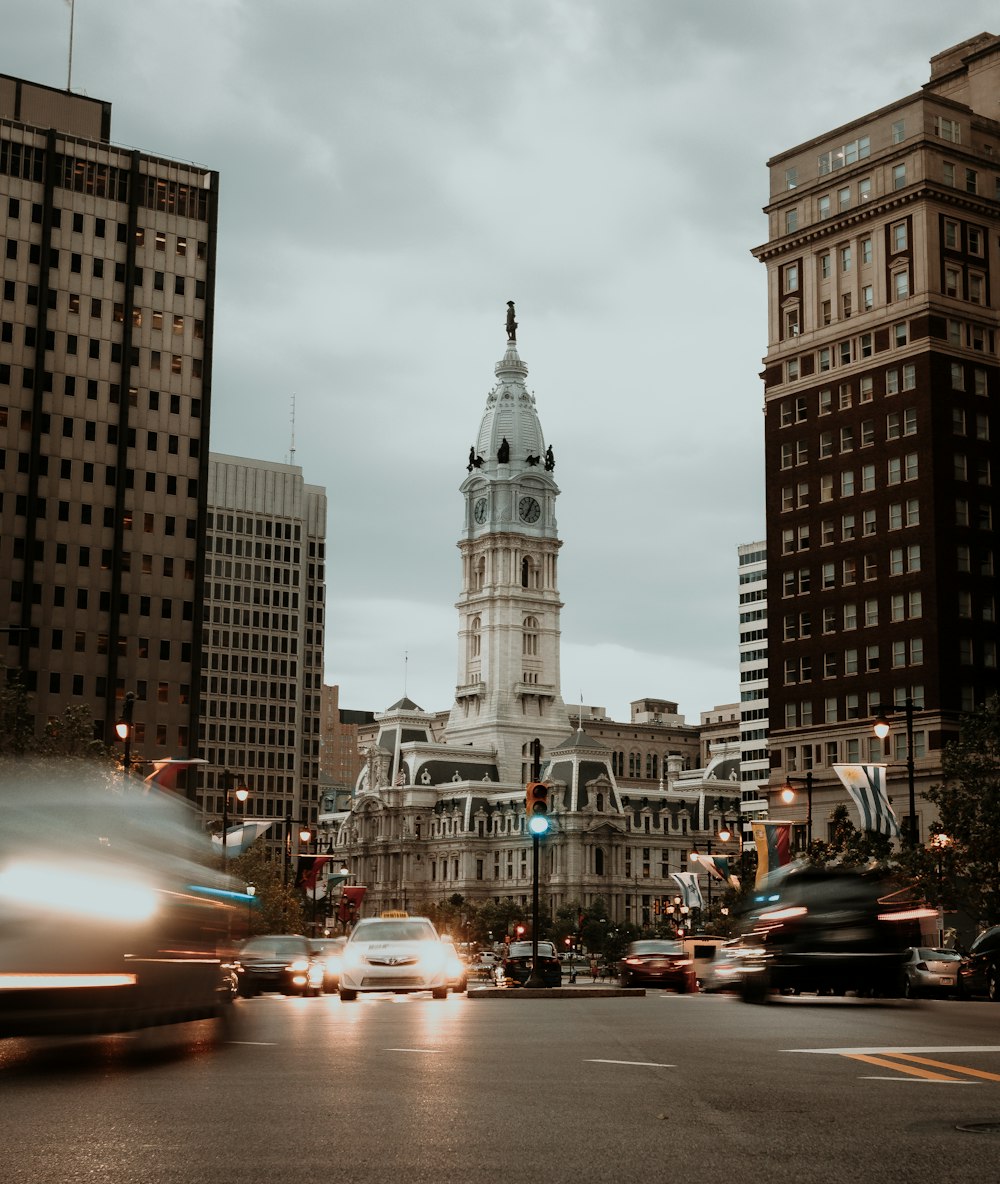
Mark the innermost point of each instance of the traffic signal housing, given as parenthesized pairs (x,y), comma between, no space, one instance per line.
(536,805)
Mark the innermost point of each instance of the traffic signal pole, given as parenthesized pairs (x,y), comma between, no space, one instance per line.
(535,979)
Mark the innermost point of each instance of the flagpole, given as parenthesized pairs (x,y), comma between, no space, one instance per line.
(69,69)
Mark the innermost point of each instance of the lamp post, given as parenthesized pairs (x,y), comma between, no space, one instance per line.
(881,729)
(305,836)
(940,843)
(696,858)
(788,796)
(123,730)
(242,793)
(251,893)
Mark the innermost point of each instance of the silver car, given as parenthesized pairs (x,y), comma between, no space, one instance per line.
(930,972)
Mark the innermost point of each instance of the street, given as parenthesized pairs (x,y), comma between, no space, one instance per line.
(393,1088)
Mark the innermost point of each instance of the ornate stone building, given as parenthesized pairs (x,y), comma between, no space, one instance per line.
(441,811)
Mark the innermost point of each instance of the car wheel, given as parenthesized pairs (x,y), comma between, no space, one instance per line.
(461,985)
(348,995)
(440,992)
(755,988)
(993,985)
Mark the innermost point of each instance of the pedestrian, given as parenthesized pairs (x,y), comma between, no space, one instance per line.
(593,967)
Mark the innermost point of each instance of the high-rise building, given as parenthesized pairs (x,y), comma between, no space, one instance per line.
(755,766)
(262,686)
(108,258)
(881,430)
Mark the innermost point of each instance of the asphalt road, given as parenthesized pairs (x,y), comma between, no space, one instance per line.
(406,1088)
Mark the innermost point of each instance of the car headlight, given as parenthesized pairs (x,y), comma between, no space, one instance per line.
(101,895)
(352,958)
(298,965)
(433,958)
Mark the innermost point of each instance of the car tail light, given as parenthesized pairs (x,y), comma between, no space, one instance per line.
(922,966)
(785,914)
(908,915)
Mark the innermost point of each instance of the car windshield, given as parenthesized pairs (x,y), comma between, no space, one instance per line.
(522,949)
(656,947)
(926,955)
(274,947)
(377,930)
(332,946)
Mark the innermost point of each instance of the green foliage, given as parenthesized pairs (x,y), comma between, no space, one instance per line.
(68,736)
(277,905)
(968,804)
(848,845)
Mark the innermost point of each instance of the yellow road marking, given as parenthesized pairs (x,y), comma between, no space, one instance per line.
(887,1064)
(954,1068)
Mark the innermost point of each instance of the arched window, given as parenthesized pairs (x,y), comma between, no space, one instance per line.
(530,573)
(618,764)
(475,637)
(479,574)
(525,571)
(598,861)
(529,637)
(635,764)
(600,803)
(652,765)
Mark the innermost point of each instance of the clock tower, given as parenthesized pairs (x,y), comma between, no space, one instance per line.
(507,692)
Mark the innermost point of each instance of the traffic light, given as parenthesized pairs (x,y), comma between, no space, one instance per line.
(536,804)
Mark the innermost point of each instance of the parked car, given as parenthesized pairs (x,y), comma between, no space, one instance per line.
(517,965)
(330,950)
(979,970)
(285,963)
(394,954)
(829,930)
(930,972)
(657,964)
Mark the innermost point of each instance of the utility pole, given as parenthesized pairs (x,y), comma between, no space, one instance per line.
(535,979)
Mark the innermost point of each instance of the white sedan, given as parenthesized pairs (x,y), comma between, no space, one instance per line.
(394,954)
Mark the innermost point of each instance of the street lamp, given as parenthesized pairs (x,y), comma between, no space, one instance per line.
(881,729)
(940,843)
(242,793)
(251,893)
(123,730)
(304,834)
(788,796)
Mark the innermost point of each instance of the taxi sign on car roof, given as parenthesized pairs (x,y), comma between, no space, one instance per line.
(394,913)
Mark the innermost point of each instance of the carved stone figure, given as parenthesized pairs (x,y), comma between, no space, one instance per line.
(475,461)
(503,452)
(550,459)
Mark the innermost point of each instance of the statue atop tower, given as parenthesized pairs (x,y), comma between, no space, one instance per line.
(511,323)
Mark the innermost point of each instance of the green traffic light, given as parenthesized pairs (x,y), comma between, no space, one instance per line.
(538,825)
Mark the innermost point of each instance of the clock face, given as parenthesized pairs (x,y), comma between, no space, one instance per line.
(529,509)
(480,510)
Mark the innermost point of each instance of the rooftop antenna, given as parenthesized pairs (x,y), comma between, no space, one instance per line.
(579,727)
(291,454)
(406,661)
(69,69)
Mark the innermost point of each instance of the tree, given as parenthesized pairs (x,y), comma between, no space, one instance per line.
(277,906)
(849,846)
(968,804)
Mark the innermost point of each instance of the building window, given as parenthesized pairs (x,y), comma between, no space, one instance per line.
(899,176)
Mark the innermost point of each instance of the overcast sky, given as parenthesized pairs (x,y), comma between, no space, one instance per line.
(393,172)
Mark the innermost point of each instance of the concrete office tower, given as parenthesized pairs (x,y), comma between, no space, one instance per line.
(881,388)
(108,258)
(265,544)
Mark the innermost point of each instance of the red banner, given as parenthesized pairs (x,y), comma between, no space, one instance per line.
(351,897)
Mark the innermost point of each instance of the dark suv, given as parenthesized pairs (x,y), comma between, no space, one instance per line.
(826,930)
(979,972)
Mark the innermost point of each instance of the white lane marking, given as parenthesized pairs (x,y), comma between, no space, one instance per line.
(255,1043)
(887,1050)
(920,1080)
(640,1064)
(409,1050)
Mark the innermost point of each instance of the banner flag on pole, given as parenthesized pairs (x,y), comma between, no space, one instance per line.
(690,890)
(166,772)
(866,785)
(240,838)
(774,847)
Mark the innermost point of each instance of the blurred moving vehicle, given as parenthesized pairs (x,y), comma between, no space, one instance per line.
(979,970)
(394,954)
(828,929)
(285,963)
(330,950)
(112,915)
(456,968)
(930,972)
(657,964)
(484,965)
(724,972)
(518,964)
